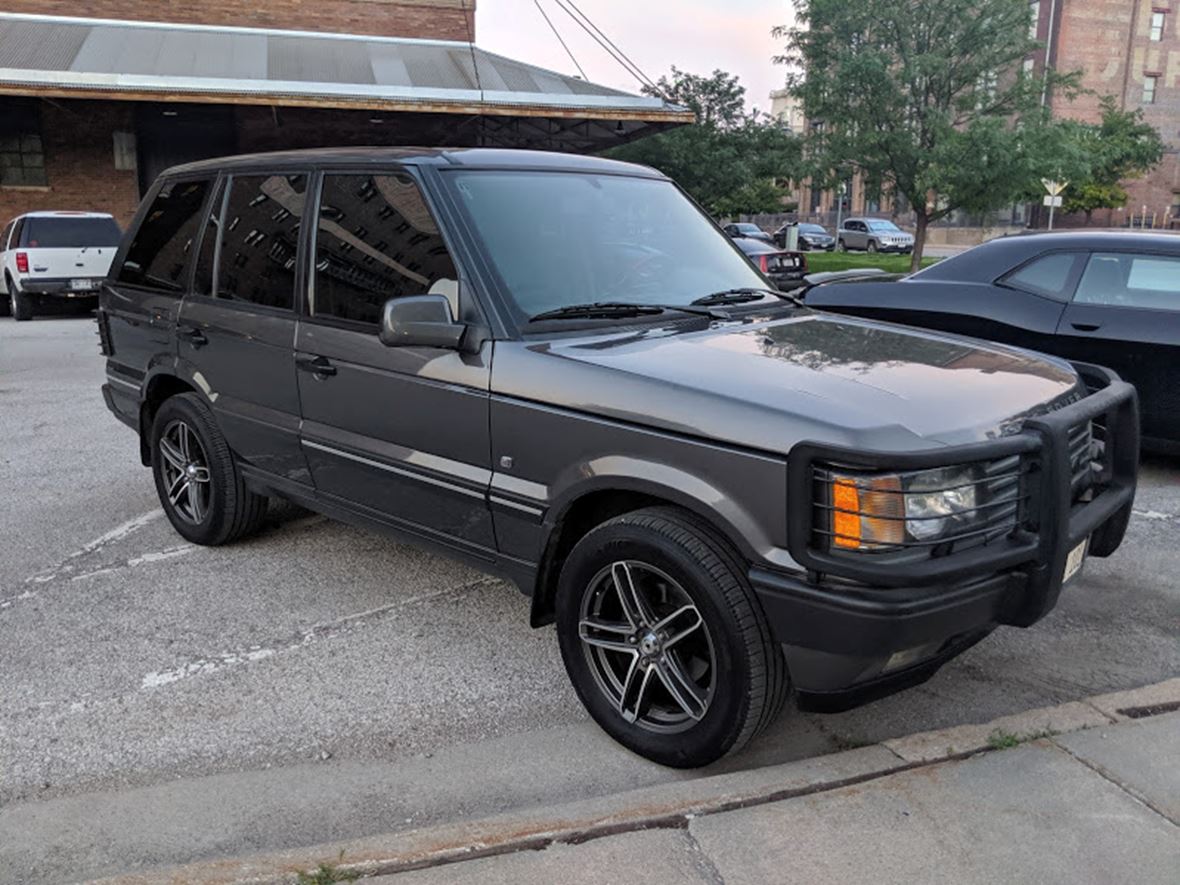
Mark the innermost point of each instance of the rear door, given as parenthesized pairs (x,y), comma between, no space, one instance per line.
(398,432)
(1125,315)
(237,326)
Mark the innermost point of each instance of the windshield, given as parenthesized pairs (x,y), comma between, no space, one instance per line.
(562,238)
(750,228)
(811,229)
(883,225)
(66,233)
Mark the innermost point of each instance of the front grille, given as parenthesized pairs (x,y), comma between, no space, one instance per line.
(1083,448)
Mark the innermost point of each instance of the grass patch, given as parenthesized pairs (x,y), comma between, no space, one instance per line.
(1006,740)
(326,874)
(822,262)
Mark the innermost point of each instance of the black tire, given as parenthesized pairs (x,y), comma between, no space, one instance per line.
(20,303)
(230,511)
(747,676)
(872,247)
(1108,536)
(840,247)
(6,303)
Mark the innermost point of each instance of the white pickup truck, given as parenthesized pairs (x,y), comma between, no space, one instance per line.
(58,257)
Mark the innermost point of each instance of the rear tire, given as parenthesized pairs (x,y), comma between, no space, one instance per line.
(840,247)
(197,477)
(682,705)
(19,303)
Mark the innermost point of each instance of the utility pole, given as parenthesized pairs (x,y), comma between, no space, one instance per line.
(840,192)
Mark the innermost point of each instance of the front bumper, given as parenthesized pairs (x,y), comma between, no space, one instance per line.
(902,248)
(854,630)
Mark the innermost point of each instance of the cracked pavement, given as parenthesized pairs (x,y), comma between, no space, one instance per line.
(398,686)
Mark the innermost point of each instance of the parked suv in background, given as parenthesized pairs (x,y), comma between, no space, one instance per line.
(55,258)
(873,235)
(558,369)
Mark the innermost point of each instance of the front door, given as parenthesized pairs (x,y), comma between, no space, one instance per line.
(398,432)
(1125,315)
(237,327)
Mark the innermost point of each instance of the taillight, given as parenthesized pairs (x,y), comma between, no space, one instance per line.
(22,262)
(763,263)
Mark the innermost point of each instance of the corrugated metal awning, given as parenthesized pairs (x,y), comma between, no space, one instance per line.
(50,55)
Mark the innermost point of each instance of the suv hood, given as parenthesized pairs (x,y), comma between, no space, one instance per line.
(768,384)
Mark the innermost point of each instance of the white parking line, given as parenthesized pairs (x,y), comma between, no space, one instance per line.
(325,630)
(118,533)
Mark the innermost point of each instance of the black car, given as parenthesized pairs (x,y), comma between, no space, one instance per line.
(718,495)
(811,237)
(785,269)
(747,231)
(1111,298)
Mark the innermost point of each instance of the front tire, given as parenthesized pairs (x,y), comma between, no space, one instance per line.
(197,478)
(664,640)
(872,246)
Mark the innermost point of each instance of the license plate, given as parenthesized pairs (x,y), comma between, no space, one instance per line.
(81,285)
(1073,562)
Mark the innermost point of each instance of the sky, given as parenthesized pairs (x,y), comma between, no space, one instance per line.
(698,36)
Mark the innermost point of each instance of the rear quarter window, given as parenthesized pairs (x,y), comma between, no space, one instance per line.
(1049,275)
(160,250)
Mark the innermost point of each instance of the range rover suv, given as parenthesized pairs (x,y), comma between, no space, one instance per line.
(558,369)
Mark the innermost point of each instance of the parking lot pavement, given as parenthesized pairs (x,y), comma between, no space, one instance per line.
(322,682)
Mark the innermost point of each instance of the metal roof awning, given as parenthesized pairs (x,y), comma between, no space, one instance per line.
(141,61)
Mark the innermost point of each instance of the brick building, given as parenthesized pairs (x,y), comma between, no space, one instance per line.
(1129,49)
(91,110)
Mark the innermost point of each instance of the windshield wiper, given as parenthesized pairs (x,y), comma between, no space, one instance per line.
(740,296)
(611,309)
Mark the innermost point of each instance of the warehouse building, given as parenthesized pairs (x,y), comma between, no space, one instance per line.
(91,110)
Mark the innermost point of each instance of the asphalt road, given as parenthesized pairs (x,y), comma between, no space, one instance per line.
(161,702)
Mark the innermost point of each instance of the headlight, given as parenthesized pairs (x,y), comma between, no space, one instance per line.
(876,512)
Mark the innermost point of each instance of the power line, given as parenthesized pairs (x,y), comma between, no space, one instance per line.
(556,34)
(471,46)
(644,77)
(613,51)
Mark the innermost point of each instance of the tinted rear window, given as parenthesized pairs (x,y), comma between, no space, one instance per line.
(66,232)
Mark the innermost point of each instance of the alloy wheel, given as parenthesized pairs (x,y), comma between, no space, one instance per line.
(648,647)
(186,472)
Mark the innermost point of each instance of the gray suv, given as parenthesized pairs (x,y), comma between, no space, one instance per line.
(558,369)
(873,235)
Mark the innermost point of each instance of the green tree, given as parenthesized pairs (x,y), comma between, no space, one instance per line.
(731,160)
(1122,146)
(927,98)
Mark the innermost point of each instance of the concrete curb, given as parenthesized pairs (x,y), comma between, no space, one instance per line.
(665,806)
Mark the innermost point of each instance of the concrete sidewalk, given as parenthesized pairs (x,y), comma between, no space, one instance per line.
(1088,791)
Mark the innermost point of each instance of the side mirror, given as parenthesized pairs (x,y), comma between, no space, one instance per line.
(420,321)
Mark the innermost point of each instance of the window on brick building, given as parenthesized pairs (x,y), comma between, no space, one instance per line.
(22,154)
(1157,26)
(1034,21)
(1149,83)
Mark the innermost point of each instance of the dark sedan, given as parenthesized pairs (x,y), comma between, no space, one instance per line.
(1111,298)
(746,231)
(811,237)
(785,269)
